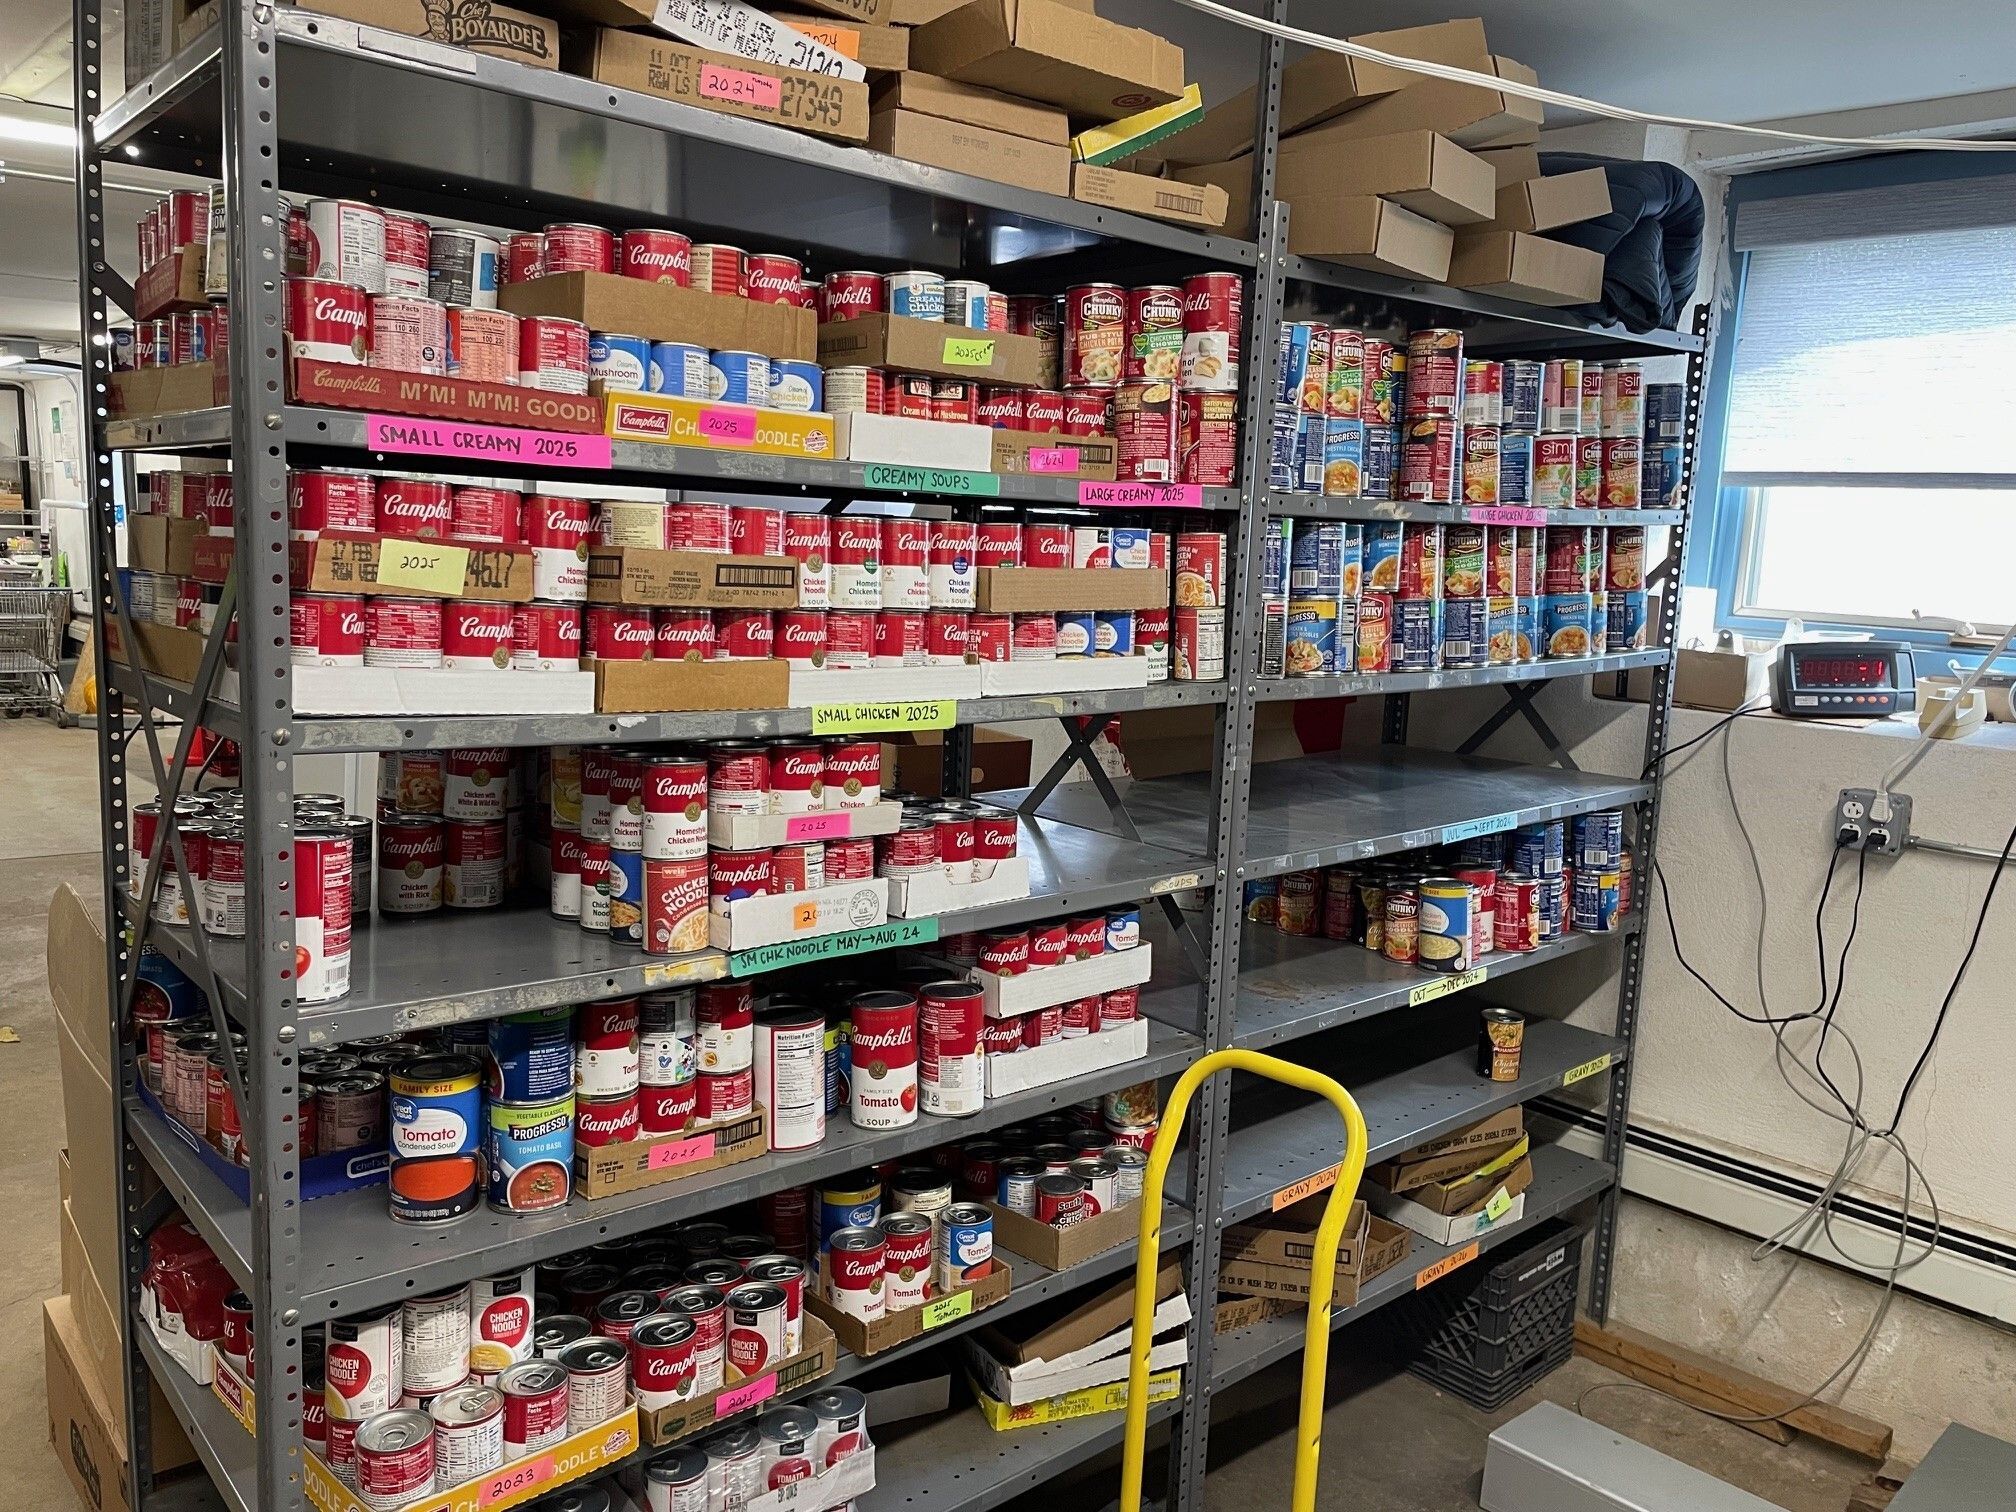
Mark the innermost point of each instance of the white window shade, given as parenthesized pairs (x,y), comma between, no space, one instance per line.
(1885,354)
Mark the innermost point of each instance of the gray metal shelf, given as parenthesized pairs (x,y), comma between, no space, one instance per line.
(355,1257)
(1352,805)
(224,1222)
(1291,987)
(1282,689)
(1324,507)
(425,972)
(632,462)
(959,1464)
(1561,1179)
(227,1451)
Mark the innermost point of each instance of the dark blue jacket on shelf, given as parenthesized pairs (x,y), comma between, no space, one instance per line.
(1650,240)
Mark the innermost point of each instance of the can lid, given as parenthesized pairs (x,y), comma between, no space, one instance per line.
(467,1403)
(665,1328)
(557,1329)
(593,1355)
(627,1306)
(733,1443)
(677,1467)
(388,1432)
(752,1295)
(435,1068)
(837,1402)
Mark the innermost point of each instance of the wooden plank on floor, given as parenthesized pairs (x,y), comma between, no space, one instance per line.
(1680,1391)
(1836,1425)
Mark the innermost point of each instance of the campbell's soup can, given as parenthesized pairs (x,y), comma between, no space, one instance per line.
(951,1017)
(1207,438)
(807,539)
(326,629)
(546,638)
(577,247)
(1001,407)
(476,634)
(656,256)
(346,243)
(402,632)
(1095,335)
(857,563)
(1145,432)
(417,509)
(327,320)
(409,334)
(850,295)
(480,516)
(330,499)
(883,1082)
(322,888)
(1213,304)
(557,529)
(1154,351)
(553,354)
(1197,645)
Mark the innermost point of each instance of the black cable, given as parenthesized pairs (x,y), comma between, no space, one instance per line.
(1840,983)
(1746,712)
(1953,991)
(1673,930)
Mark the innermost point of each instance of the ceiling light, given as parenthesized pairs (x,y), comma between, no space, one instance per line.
(133,149)
(36,133)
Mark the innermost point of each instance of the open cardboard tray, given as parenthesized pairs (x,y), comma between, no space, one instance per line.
(1010,996)
(690,579)
(1053,454)
(749,831)
(1062,1248)
(335,563)
(835,1486)
(651,1159)
(919,447)
(893,1329)
(173,282)
(929,894)
(937,347)
(1025,1070)
(349,386)
(1377,1247)
(817,1354)
(669,420)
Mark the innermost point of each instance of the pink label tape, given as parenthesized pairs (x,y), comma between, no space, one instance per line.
(489,443)
(680,1153)
(515,1479)
(1505,514)
(1142,495)
(741,87)
(834,826)
(742,1398)
(1053,459)
(728,423)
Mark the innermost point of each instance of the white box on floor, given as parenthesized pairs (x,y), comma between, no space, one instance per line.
(1025,1070)
(902,442)
(1083,674)
(748,923)
(929,893)
(395,691)
(748,831)
(834,685)
(1006,997)
(1457,1228)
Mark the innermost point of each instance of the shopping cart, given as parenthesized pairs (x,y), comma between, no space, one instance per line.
(1349,1171)
(31,644)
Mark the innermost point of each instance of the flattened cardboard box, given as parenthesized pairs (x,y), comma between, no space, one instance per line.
(1320,85)
(879,49)
(656,687)
(1470,115)
(1234,1313)
(1005,590)
(1364,232)
(665,312)
(1386,1245)
(989,109)
(1517,266)
(1203,205)
(1563,199)
(927,346)
(1097,458)
(672,71)
(477,25)
(959,148)
(1416,170)
(690,579)
(1501,1128)
(1042,50)
(349,564)
(396,393)
(1085,1325)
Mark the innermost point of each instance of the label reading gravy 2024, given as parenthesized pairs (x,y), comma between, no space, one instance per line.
(500,443)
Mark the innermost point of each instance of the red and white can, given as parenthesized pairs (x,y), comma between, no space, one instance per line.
(773,278)
(1043,411)
(1035,637)
(996,837)
(481,516)
(856,1272)
(663,1360)
(1095,335)
(409,334)
(797,777)
(330,500)
(952,563)
(709,1311)
(906,1259)
(327,629)
(1212,307)
(946,642)
(857,563)
(905,559)
(719,269)
(798,867)
(675,906)
(669,1107)
(1046,545)
(682,635)
(328,320)
(850,638)
(1207,438)
(322,885)
(407,239)
(1088,412)
(998,543)
(951,1076)
(394,1459)
(675,809)
(577,247)
(361,1365)
(853,774)
(899,639)
(954,401)
(755,531)
(1002,408)
(553,354)
(697,527)
(1200,569)
(546,638)
(808,540)
(402,632)
(603,1121)
(411,851)
(882,1090)
(850,295)
(733,875)
(657,256)
(557,529)
(345,242)
(744,635)
(738,778)
(524,256)
(472,864)
(415,509)
(850,860)
(990,637)
(477,634)
(535,1406)
(476,783)
(790,1065)
(1435,374)
(617,632)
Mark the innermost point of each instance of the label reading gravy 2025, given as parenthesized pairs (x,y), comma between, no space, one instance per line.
(500,443)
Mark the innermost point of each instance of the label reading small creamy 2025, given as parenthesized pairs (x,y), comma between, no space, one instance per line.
(945,480)
(894,714)
(501,443)
(427,566)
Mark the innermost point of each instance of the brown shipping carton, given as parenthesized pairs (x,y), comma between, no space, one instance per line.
(927,94)
(652,687)
(166,650)
(970,149)
(1513,165)
(477,25)
(1321,84)
(349,564)
(1386,1245)
(1365,232)
(665,312)
(1234,1313)
(932,346)
(1098,456)
(1235,180)
(1289,1236)
(1056,53)
(611,1170)
(644,12)
(1505,1127)
(1470,115)
(915,763)
(915,13)
(1109,1311)
(879,49)
(85,1420)
(1060,1249)
(1204,205)
(1518,266)
(690,579)
(1407,1175)
(1026,590)
(1416,170)
(673,71)
(1541,204)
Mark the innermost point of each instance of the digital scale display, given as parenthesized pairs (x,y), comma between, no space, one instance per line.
(1869,679)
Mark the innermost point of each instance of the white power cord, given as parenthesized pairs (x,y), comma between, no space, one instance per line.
(1901,768)
(1575,102)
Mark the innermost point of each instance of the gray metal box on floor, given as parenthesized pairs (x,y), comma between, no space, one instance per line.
(1552,1460)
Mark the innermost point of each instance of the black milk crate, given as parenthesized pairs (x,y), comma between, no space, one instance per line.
(1488,1393)
(1492,1322)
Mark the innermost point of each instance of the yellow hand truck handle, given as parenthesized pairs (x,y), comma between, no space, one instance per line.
(1322,1276)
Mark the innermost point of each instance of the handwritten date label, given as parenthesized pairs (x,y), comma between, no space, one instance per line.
(739,86)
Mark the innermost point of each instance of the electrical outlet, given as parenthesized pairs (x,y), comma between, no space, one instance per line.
(1857,827)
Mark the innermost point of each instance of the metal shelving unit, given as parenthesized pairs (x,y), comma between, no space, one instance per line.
(277,99)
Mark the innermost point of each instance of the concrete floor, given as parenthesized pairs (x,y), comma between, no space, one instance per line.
(1391,1443)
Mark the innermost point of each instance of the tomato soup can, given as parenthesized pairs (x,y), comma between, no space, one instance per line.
(1516,916)
(790,1066)
(530,1154)
(951,1077)
(856,1266)
(965,1247)
(883,1083)
(578,247)
(906,1260)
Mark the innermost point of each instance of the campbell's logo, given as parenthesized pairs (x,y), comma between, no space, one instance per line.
(616,1119)
(656,260)
(900,1038)
(333,311)
(1480,441)
(473,626)
(795,635)
(350,624)
(413,506)
(401,847)
(1160,309)
(507,1322)
(861,1267)
(772,280)
(1101,307)
(628,632)
(661,1367)
(314,1414)
(727,873)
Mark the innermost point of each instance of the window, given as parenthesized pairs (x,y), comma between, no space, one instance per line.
(1869,461)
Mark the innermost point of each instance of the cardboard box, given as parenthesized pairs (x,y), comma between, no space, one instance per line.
(989,109)
(1470,115)
(1513,165)
(915,13)
(1092,1321)
(1235,178)
(898,1328)
(163,543)
(985,154)
(929,894)
(86,1417)
(915,762)
(653,687)
(1364,232)
(1008,1375)
(652,1159)
(669,421)
(1053,454)
(479,25)
(1061,1248)
(750,831)
(1092,1401)
(815,1358)
(1541,204)
(388,392)
(671,70)
(812,686)
(879,49)
(1384,1246)
(1042,50)
(1320,85)
(1504,1127)
(749,923)
(1514,265)
(1411,1175)
(1416,170)
(1439,1228)
(739,29)
(1005,590)
(77,985)
(174,282)
(1137,133)
(1469,1189)
(170,390)
(1289,1236)
(349,564)
(175,654)
(665,312)
(926,446)
(693,579)
(1011,996)
(1204,205)
(1721,680)
(1234,1313)
(90,1290)
(1026,1070)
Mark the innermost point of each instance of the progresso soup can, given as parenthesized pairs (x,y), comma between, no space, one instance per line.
(531,1155)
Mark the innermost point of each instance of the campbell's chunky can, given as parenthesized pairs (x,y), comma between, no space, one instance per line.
(1095,336)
